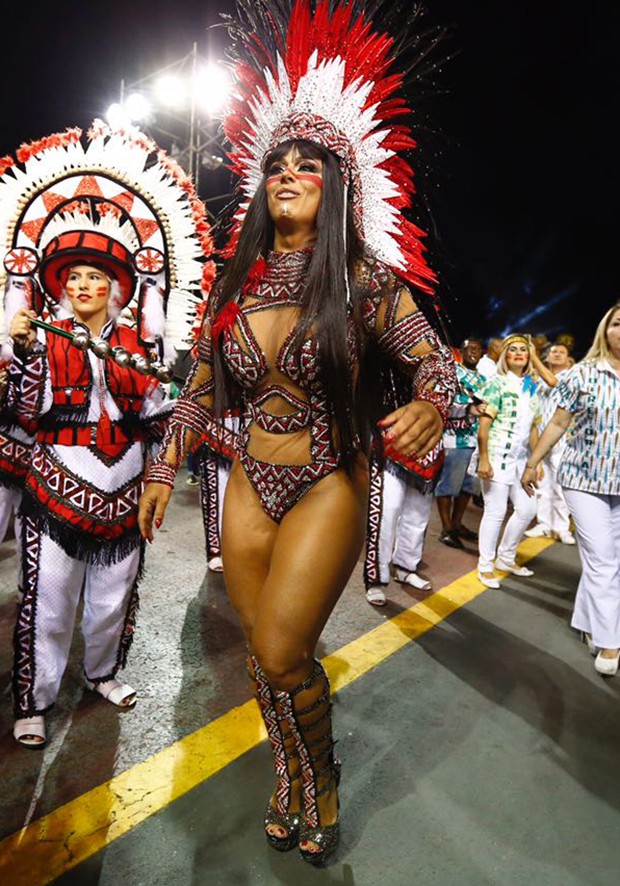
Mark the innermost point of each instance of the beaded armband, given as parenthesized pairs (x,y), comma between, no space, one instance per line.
(204,351)
(27,374)
(399,341)
(161,472)
(436,382)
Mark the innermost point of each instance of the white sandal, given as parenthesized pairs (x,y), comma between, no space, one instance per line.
(115,692)
(30,731)
(376,595)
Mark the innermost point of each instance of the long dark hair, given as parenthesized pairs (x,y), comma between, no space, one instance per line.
(324,305)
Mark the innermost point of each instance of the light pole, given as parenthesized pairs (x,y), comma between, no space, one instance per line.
(180,102)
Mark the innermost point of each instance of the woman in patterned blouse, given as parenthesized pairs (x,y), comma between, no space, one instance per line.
(590,478)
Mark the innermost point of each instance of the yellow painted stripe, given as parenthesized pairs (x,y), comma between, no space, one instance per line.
(64,838)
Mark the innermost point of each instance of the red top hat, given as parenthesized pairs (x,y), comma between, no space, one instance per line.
(91,248)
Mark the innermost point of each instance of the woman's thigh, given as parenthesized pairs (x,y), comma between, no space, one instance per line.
(495,498)
(524,505)
(248,537)
(316,548)
(594,517)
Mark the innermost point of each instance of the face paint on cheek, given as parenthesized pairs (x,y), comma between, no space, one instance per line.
(311,178)
(101,291)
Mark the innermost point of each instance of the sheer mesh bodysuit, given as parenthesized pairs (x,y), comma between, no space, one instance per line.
(287,443)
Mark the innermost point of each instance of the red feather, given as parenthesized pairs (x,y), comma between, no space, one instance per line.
(224,321)
(255,275)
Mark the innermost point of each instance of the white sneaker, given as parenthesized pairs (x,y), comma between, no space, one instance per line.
(521,571)
(567,538)
(412,579)
(376,595)
(538,531)
(215,564)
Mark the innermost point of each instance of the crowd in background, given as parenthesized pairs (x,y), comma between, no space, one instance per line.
(532,438)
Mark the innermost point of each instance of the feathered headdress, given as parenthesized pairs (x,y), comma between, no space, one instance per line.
(119,201)
(323,72)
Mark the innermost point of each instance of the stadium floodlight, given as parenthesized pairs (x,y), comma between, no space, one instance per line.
(180,102)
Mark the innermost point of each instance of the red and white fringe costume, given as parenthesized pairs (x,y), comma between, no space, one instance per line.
(122,204)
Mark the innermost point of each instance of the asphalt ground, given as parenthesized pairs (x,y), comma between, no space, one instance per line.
(478,743)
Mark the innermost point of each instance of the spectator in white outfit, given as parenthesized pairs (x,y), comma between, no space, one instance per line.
(506,433)
(399,508)
(553,517)
(487,364)
(589,473)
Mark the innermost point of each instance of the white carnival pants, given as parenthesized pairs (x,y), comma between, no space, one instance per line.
(9,502)
(47,617)
(405,516)
(496,496)
(597,603)
(552,512)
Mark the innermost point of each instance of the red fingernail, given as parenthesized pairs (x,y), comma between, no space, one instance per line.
(158,522)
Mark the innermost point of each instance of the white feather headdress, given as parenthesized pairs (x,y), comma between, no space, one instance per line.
(321,70)
(121,184)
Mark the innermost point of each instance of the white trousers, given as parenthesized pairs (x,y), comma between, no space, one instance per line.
(47,619)
(597,527)
(496,497)
(552,511)
(405,516)
(9,502)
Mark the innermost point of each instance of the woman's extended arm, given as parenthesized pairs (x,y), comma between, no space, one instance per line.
(406,337)
(485,469)
(549,377)
(184,429)
(547,440)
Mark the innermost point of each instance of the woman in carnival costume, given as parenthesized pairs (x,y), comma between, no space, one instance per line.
(312,314)
(94,229)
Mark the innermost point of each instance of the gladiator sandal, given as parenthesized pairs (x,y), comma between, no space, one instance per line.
(308,711)
(286,764)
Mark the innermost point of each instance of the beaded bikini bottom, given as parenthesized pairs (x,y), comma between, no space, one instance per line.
(279,487)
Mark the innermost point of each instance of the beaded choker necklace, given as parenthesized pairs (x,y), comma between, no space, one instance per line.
(280,277)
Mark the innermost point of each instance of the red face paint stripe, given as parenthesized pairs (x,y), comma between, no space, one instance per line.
(313,178)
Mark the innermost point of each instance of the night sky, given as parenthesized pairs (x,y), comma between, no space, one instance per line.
(518,174)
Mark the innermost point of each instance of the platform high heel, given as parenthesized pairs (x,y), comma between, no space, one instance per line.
(289,822)
(286,764)
(326,837)
(308,712)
